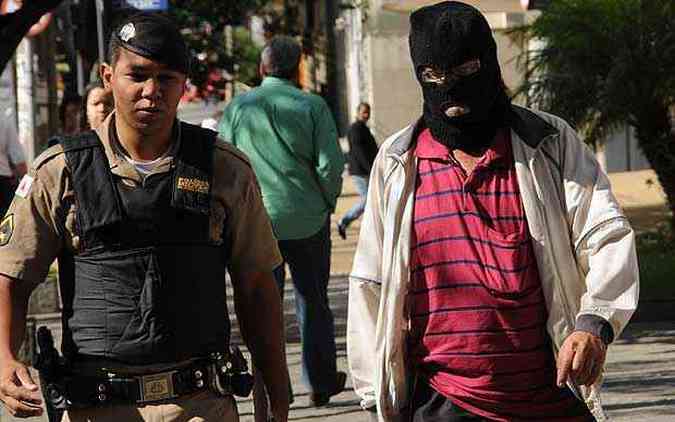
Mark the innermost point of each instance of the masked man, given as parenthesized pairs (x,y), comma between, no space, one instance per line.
(494,265)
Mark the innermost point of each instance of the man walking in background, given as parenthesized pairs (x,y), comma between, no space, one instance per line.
(12,161)
(290,137)
(362,152)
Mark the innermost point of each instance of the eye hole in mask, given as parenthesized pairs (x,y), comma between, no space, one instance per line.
(430,75)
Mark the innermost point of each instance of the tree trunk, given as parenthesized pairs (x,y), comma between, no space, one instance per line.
(658,144)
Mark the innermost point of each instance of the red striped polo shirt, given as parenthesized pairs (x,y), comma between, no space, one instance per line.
(478,316)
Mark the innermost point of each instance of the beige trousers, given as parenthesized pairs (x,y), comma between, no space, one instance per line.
(204,406)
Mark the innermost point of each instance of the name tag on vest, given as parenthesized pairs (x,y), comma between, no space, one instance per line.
(193,185)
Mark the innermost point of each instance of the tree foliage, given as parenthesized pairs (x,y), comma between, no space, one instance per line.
(204,22)
(603,63)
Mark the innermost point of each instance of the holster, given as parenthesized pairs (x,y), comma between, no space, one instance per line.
(231,375)
(52,369)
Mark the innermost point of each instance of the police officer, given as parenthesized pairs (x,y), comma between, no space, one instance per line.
(144,216)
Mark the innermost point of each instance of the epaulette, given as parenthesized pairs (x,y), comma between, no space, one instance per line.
(232,150)
(47,155)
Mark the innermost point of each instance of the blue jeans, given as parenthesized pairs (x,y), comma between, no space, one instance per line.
(309,262)
(361,185)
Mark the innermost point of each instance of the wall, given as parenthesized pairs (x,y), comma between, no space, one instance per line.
(621,152)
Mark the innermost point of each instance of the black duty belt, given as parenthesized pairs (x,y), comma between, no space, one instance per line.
(64,388)
(219,374)
(82,390)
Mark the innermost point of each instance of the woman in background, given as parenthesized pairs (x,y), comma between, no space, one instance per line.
(97,103)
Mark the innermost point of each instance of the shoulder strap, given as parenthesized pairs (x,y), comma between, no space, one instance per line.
(98,203)
(194,169)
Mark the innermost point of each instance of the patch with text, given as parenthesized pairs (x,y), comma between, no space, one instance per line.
(193,185)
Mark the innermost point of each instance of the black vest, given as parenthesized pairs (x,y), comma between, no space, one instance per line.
(148,284)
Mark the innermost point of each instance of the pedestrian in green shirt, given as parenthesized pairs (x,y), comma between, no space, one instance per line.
(290,137)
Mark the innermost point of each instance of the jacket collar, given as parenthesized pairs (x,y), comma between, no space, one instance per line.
(531,128)
(274,81)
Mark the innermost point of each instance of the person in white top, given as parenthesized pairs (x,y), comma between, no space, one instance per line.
(12,161)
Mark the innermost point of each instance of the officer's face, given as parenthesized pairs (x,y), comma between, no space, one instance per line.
(146,92)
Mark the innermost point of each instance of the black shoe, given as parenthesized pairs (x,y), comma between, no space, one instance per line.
(342,230)
(322,399)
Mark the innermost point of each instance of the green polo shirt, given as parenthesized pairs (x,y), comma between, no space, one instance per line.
(290,137)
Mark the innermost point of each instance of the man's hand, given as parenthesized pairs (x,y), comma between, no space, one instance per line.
(18,392)
(581,358)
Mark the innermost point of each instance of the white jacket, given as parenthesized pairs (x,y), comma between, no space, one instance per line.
(584,246)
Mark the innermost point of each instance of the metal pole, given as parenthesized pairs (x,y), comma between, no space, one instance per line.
(100,29)
(25,93)
(78,57)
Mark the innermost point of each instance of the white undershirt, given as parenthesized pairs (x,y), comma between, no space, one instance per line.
(146,167)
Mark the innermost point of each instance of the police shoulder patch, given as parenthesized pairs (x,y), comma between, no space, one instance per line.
(6,229)
(24,186)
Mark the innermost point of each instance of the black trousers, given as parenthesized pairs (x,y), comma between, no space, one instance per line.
(7,188)
(428,405)
(309,262)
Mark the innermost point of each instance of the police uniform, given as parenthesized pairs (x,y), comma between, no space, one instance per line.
(142,281)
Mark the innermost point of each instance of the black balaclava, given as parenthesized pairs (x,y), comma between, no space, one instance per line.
(444,36)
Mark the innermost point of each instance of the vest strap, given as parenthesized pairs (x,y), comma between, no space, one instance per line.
(98,203)
(194,170)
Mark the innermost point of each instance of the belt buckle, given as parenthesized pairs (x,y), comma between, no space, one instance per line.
(157,387)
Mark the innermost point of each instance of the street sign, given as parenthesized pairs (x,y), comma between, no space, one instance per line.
(141,4)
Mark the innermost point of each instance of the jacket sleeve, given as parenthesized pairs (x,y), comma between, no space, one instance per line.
(603,240)
(329,160)
(364,291)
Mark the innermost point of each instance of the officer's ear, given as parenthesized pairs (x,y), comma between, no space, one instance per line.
(106,72)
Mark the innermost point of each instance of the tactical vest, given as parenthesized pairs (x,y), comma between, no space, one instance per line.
(148,283)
